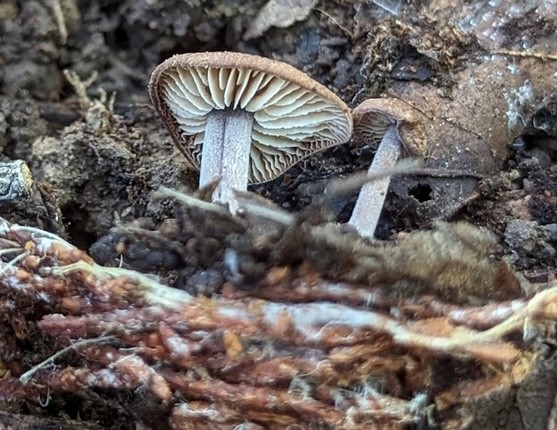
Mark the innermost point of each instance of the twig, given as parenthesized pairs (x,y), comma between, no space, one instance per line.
(5,251)
(59,18)
(153,291)
(25,377)
(80,87)
(335,21)
(271,213)
(190,201)
(14,261)
(42,234)
(520,318)
(344,186)
(447,173)
(540,55)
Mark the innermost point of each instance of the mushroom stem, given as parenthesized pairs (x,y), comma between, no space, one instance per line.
(369,205)
(225,154)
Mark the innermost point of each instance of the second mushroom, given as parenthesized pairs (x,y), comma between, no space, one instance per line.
(400,128)
(242,118)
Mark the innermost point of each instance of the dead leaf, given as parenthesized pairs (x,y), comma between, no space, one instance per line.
(278,13)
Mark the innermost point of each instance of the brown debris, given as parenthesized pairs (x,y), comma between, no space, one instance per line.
(27,422)
(478,71)
(296,343)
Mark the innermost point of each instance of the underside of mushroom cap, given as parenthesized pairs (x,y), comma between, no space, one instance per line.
(294,116)
(372,117)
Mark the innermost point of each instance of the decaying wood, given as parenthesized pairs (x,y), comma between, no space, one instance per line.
(344,334)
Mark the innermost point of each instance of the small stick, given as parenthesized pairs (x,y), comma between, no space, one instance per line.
(190,201)
(344,186)
(25,377)
(59,18)
(447,173)
(540,55)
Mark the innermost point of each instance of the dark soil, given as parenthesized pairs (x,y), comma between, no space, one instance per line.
(96,160)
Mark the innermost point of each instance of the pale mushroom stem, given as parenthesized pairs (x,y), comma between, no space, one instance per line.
(226,154)
(369,205)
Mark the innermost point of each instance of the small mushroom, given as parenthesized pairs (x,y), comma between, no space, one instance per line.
(399,127)
(242,118)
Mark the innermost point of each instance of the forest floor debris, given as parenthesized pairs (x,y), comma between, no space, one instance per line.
(281,346)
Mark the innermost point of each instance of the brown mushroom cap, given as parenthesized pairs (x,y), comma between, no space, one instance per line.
(372,117)
(294,116)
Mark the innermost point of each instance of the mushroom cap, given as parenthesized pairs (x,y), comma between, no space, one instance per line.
(294,116)
(372,117)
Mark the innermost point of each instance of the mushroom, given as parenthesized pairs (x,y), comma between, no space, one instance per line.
(243,118)
(398,126)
